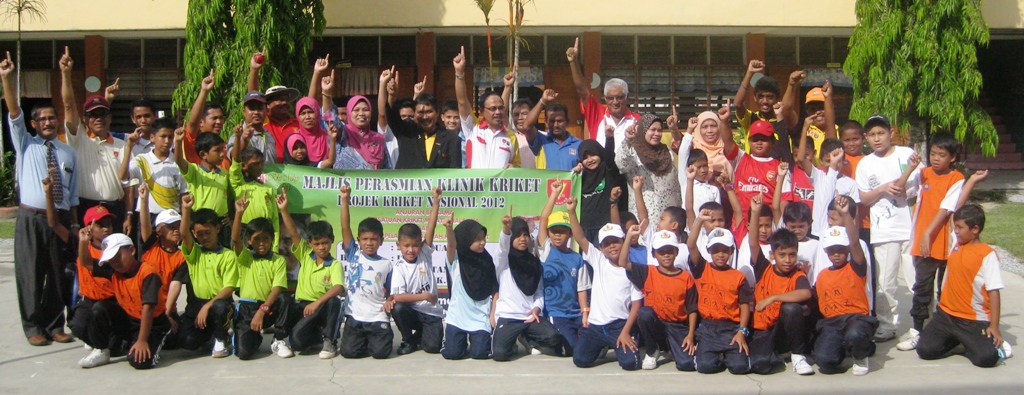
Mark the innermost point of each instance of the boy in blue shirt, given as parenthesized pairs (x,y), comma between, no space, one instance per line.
(566,281)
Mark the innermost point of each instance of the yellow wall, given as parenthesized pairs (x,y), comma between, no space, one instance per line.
(754,15)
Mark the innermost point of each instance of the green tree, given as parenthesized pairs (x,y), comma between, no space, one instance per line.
(20,10)
(916,62)
(223,34)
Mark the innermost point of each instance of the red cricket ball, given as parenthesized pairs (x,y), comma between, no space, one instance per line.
(259,58)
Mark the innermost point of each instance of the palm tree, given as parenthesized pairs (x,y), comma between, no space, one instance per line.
(20,10)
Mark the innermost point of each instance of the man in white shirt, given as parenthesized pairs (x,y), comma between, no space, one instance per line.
(613,114)
(488,145)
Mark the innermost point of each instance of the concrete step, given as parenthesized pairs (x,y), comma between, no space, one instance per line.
(1010,157)
(972,165)
(1006,147)
(1001,129)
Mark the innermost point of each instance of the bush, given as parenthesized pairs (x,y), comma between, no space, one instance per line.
(8,196)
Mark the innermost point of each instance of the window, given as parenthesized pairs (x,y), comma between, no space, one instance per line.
(531,50)
(479,57)
(124,54)
(617,50)
(75,47)
(326,45)
(815,51)
(727,50)
(654,49)
(840,49)
(398,50)
(37,55)
(161,53)
(780,51)
(363,50)
(557,46)
(691,50)
(446,47)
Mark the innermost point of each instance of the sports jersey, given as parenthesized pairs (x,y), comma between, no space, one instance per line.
(415,278)
(720,291)
(552,155)
(210,188)
(258,275)
(672,296)
(487,148)
(770,282)
(612,292)
(366,281)
(91,285)
(841,291)
(797,187)
(971,272)
(140,289)
(754,175)
(167,264)
(210,271)
(850,162)
(598,118)
(565,274)
(315,279)
(829,183)
(262,198)
(937,192)
(163,178)
(890,215)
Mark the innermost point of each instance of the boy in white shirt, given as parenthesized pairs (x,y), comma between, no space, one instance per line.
(615,301)
(413,301)
(367,275)
(887,178)
(156,168)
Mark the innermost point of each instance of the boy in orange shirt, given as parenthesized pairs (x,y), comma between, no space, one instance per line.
(847,325)
(943,190)
(969,307)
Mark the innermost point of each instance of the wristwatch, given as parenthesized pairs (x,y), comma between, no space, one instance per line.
(744,331)
(265,309)
(728,187)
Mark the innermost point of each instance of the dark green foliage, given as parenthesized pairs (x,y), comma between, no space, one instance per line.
(916,62)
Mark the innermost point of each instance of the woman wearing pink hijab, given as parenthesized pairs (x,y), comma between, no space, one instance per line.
(360,137)
(307,111)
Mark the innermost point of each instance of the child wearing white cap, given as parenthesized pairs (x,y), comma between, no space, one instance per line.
(670,314)
(160,249)
(136,314)
(615,304)
(848,325)
(724,304)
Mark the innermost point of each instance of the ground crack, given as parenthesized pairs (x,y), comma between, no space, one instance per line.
(759,387)
(333,374)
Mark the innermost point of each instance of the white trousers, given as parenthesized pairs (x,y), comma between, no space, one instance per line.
(892,258)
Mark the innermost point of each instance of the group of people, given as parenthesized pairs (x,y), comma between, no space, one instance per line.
(717,254)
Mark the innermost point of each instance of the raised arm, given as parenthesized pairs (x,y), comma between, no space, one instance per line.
(255,63)
(802,159)
(691,173)
(449,233)
(830,111)
(756,203)
(777,204)
(332,154)
(319,68)
(641,205)
(110,93)
(725,127)
(755,66)
(554,193)
(186,222)
(843,204)
(435,208)
(790,103)
(84,258)
(130,140)
(691,239)
(506,95)
(465,106)
(581,84)
(346,224)
(613,208)
(574,223)
(10,91)
(179,150)
(624,262)
(72,118)
(286,218)
(237,244)
(383,98)
(145,220)
(912,163)
(196,113)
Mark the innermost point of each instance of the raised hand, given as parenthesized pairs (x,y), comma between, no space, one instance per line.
(282,199)
(796,77)
(609,130)
(436,193)
(7,66)
(322,64)
(332,133)
(570,204)
(257,59)
(134,137)
(755,66)
(725,111)
(187,201)
(510,79)
(557,187)
(631,131)
(691,172)
(573,51)
(242,203)
(826,90)
(783,170)
(460,61)
(387,75)
(207,84)
(506,221)
(914,160)
(756,203)
(448,222)
(691,125)
(419,88)
(837,156)
(345,192)
(704,216)
(638,182)
(673,120)
(112,90)
(779,113)
(549,96)
(143,191)
(843,205)
(66,63)
(615,194)
(327,83)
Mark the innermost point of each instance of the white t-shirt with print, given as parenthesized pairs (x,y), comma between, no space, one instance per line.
(612,292)
(486,148)
(365,281)
(415,278)
(890,215)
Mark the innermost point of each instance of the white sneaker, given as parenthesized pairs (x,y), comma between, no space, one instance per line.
(280,347)
(95,358)
(1006,350)
(220,350)
(860,367)
(909,341)
(650,362)
(534,351)
(800,365)
(329,350)
(882,337)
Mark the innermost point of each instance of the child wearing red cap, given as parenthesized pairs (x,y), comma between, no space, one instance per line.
(756,171)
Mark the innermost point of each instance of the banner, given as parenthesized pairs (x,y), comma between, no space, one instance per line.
(397,197)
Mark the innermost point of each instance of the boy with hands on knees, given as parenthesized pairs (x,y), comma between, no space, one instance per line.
(566,280)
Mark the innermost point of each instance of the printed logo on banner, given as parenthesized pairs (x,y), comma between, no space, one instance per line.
(566,191)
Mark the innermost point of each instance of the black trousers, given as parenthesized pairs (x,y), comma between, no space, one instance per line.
(714,353)
(839,335)
(418,329)
(788,334)
(116,207)
(308,330)
(247,341)
(218,320)
(364,339)
(540,334)
(927,271)
(945,332)
(656,332)
(39,267)
(82,318)
(111,324)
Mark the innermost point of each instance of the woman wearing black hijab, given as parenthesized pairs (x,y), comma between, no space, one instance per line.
(473,283)
(520,300)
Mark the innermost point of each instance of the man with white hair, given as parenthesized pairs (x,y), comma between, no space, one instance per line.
(600,117)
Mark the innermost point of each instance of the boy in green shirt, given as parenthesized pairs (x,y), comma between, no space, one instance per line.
(320,281)
(262,278)
(207,183)
(246,176)
(213,275)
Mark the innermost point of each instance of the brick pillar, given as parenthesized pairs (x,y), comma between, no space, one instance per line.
(425,59)
(95,59)
(755,47)
(591,57)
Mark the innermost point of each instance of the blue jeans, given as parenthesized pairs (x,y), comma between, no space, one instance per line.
(714,353)
(656,331)
(595,337)
(455,343)
(569,328)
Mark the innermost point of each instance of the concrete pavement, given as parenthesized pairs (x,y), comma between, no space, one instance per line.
(53,369)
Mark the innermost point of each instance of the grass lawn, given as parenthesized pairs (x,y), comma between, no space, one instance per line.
(7,229)
(1003,227)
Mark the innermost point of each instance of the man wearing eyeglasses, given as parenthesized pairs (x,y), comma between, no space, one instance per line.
(38,253)
(99,153)
(600,117)
(490,145)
